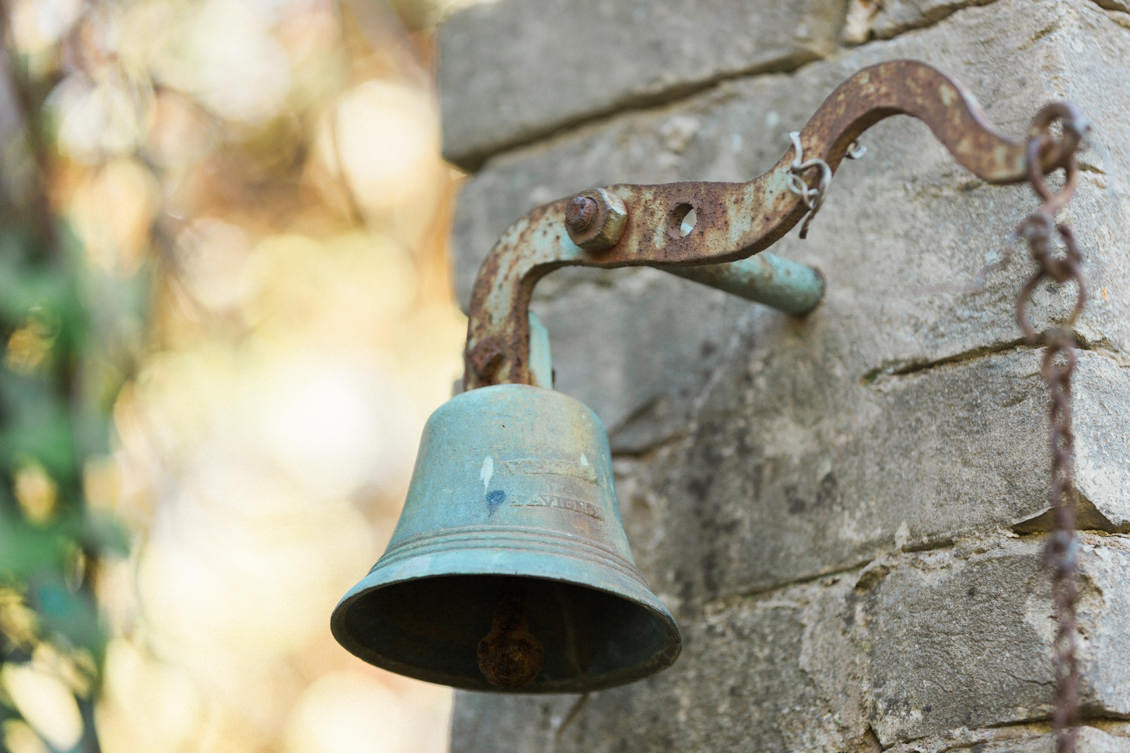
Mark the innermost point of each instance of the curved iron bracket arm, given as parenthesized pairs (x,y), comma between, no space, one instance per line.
(735,220)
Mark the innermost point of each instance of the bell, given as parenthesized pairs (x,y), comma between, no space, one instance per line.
(509,569)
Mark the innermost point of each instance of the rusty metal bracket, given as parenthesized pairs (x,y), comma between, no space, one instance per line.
(635,225)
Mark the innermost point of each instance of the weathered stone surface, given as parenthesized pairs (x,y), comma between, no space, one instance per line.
(903,238)
(645,360)
(530,722)
(794,467)
(964,642)
(1120,18)
(883,19)
(1115,5)
(1113,738)
(1102,440)
(922,645)
(514,69)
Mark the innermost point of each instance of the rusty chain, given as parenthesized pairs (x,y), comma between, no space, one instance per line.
(1040,229)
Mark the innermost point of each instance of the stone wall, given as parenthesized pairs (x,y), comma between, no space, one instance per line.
(845,512)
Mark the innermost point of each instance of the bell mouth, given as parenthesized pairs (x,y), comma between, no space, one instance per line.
(431,628)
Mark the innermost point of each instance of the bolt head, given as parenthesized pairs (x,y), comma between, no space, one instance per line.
(580,214)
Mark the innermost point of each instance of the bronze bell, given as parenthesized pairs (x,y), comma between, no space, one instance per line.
(509,569)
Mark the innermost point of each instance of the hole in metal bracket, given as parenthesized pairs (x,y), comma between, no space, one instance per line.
(681,221)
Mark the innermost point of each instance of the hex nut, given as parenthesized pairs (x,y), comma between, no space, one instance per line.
(596,219)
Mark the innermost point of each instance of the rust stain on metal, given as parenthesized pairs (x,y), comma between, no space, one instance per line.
(734,220)
(1059,362)
(580,214)
(484,357)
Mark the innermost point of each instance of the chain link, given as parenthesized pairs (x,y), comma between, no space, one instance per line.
(1039,230)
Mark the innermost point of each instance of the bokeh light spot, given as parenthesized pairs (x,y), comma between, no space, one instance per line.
(45,702)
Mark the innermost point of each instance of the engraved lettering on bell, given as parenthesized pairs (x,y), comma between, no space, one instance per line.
(561,503)
(551,467)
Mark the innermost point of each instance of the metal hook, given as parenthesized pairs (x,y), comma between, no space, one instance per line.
(813,196)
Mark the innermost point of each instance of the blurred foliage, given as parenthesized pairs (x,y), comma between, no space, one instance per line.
(58,378)
(226,312)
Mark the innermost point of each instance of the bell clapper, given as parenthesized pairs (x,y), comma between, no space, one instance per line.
(509,656)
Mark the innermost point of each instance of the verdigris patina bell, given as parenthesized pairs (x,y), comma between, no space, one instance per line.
(509,569)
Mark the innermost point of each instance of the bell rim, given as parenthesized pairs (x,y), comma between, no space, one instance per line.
(633,590)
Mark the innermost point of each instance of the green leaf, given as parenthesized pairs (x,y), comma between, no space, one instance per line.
(68,616)
(105,534)
(36,426)
(27,550)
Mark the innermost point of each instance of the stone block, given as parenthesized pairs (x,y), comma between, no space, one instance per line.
(883,19)
(793,468)
(515,70)
(1113,738)
(953,642)
(1101,407)
(478,721)
(1122,6)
